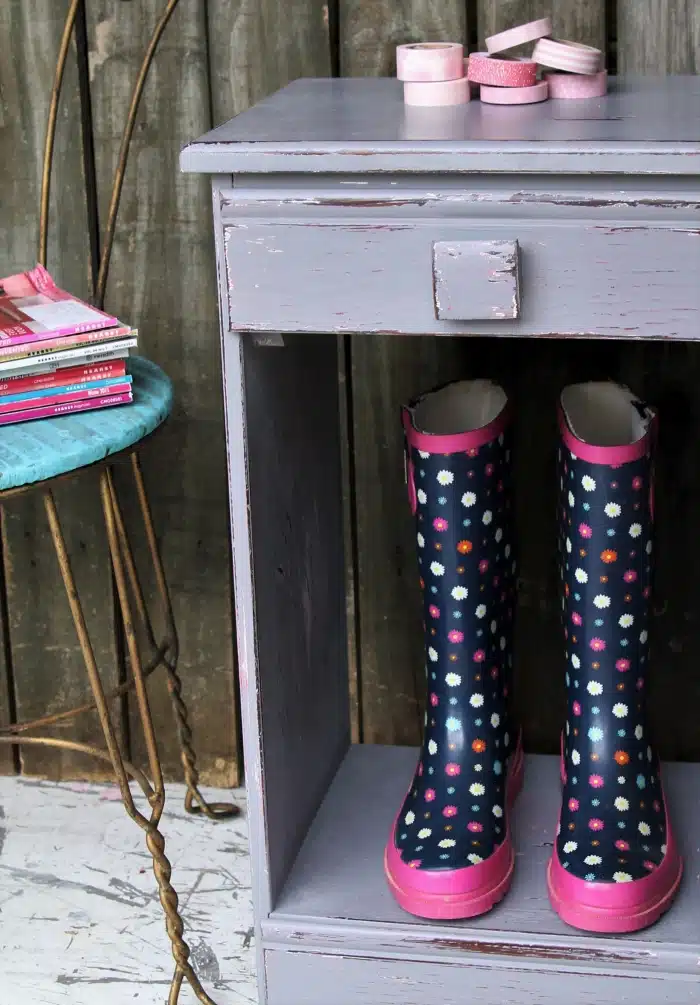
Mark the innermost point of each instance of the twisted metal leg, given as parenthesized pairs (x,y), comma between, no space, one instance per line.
(154,789)
(169,647)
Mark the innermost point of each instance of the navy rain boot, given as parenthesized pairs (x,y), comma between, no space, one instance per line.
(449,854)
(614,867)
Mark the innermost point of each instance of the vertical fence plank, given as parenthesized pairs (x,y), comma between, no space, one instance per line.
(661,37)
(658,36)
(257,47)
(162,279)
(49,673)
(371,29)
(386,370)
(580,20)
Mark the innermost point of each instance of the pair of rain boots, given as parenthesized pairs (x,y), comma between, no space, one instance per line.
(614,865)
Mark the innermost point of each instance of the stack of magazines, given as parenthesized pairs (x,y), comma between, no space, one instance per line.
(57,353)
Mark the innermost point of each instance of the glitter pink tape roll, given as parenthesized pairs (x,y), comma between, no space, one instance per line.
(430,61)
(436,93)
(520,35)
(514,95)
(570,56)
(485,69)
(571,86)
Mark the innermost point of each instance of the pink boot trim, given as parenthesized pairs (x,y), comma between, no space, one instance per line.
(614,907)
(447,895)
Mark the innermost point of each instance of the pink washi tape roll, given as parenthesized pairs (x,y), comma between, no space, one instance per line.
(485,69)
(436,93)
(570,86)
(429,61)
(570,56)
(514,95)
(521,35)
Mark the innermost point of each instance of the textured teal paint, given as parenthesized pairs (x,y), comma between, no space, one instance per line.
(33,451)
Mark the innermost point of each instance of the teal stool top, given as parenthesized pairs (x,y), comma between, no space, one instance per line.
(44,448)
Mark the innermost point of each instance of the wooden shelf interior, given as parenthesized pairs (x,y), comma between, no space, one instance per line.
(338,877)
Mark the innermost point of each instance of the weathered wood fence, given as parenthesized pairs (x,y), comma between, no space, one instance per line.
(215,58)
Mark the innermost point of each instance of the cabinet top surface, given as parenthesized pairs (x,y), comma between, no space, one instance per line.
(643,125)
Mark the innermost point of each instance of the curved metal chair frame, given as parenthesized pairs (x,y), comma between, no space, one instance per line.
(134,612)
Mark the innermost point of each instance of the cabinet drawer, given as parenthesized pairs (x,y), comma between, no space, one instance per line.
(455,276)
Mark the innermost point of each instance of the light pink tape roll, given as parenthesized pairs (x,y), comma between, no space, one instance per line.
(436,93)
(514,95)
(570,56)
(524,33)
(430,61)
(571,86)
(485,69)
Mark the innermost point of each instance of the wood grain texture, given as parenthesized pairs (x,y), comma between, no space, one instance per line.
(658,36)
(298,675)
(370,30)
(162,278)
(387,372)
(383,372)
(303,979)
(579,20)
(257,46)
(48,668)
(662,37)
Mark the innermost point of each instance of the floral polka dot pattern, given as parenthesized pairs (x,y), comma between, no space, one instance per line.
(612,825)
(454,813)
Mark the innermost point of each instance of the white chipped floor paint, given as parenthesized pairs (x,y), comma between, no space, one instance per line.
(80,920)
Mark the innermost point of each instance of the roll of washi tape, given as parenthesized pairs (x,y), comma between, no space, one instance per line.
(570,56)
(485,69)
(430,61)
(572,86)
(520,35)
(514,95)
(436,93)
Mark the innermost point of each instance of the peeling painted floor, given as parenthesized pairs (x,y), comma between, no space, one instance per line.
(80,920)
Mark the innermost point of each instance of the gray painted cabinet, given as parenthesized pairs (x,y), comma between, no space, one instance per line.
(336,209)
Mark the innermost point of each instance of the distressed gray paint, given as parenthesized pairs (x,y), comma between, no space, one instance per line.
(301,979)
(328,225)
(339,871)
(476,280)
(646,125)
(374,273)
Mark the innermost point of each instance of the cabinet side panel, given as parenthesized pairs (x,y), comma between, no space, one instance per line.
(298,665)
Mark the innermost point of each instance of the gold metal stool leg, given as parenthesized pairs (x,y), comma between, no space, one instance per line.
(167,652)
(154,790)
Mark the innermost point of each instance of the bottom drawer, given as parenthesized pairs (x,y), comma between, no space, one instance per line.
(313,979)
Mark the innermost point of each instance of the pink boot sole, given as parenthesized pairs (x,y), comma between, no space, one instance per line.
(459,893)
(614,908)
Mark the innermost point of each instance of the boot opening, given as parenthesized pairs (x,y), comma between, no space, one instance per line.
(459,407)
(602,414)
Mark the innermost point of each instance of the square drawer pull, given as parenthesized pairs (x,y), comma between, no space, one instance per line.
(476,280)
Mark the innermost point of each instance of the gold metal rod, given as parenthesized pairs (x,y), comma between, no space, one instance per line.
(194,800)
(156,559)
(51,129)
(106,489)
(124,151)
(89,656)
(90,706)
(82,748)
(131,570)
